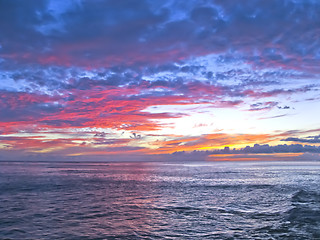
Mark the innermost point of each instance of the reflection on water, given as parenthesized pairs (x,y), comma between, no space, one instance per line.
(160,200)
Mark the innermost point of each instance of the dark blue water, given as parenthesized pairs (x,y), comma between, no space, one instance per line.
(218,200)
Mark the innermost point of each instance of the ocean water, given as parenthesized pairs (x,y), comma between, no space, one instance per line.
(208,200)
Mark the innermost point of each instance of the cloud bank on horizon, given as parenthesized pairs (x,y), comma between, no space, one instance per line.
(135,78)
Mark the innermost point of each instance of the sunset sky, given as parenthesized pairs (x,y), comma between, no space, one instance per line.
(132,80)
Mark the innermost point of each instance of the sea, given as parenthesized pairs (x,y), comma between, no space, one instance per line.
(160,200)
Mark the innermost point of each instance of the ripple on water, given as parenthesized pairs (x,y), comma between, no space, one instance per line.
(159,201)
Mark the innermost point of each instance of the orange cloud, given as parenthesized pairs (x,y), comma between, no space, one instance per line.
(214,141)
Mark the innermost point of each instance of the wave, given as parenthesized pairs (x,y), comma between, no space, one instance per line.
(306,208)
(304,216)
(303,196)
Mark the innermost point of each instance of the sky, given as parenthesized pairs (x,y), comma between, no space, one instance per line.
(159,79)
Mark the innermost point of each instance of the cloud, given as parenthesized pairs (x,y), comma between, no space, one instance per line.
(260,149)
(36,143)
(262,106)
(284,107)
(139,32)
(78,65)
(110,108)
(100,134)
(309,139)
(208,142)
(135,136)
(111,142)
(276,116)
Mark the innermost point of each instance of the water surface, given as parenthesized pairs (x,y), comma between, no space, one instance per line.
(210,200)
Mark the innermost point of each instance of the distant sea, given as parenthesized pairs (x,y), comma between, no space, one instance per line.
(207,200)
